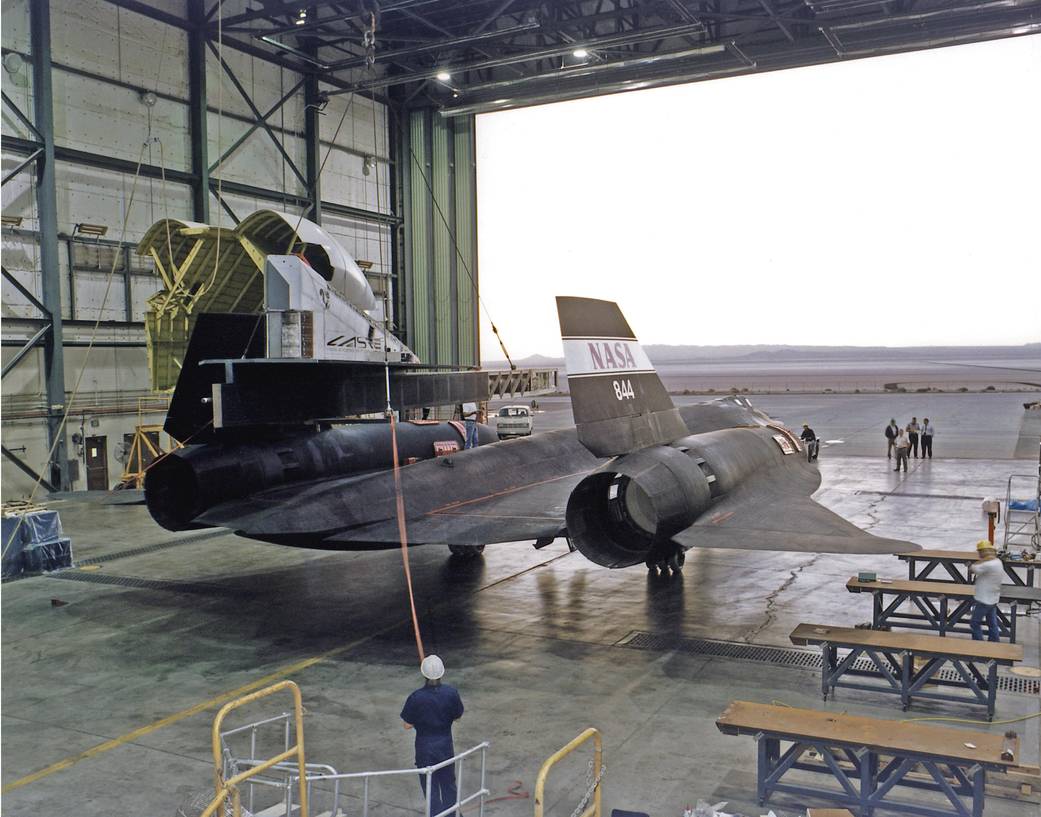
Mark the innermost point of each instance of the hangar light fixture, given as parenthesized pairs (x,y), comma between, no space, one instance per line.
(443,76)
(93,230)
(580,53)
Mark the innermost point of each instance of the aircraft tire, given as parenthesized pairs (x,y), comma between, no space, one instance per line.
(466,551)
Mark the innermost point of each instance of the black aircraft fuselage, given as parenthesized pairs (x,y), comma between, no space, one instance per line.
(636,480)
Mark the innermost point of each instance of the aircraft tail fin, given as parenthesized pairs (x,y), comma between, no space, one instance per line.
(619,402)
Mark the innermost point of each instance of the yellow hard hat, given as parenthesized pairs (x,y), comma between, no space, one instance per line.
(984,544)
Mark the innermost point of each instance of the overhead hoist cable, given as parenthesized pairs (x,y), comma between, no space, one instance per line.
(321,168)
(399,496)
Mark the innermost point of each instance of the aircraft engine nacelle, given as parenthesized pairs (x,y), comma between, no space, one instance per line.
(185,483)
(617,514)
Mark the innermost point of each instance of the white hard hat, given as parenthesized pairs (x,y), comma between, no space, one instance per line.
(432,667)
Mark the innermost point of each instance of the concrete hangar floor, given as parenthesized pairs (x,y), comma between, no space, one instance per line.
(108,698)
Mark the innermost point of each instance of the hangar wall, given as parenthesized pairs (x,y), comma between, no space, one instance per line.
(104,58)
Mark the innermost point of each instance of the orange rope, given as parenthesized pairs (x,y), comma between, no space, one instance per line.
(399,500)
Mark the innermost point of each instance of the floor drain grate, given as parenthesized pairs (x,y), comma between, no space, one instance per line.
(808,659)
(147,584)
(126,554)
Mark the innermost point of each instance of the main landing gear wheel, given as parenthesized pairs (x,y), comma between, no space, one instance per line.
(466,551)
(666,562)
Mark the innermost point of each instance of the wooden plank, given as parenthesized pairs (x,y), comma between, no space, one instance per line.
(815,634)
(1009,592)
(964,556)
(829,812)
(886,736)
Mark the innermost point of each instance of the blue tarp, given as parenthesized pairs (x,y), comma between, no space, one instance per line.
(1023,505)
(34,542)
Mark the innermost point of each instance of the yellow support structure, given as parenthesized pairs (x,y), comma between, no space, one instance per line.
(552,760)
(226,789)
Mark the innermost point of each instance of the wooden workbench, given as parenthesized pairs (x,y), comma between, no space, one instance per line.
(921,564)
(868,758)
(908,664)
(950,611)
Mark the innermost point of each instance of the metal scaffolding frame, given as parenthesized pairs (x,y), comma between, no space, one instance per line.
(40,153)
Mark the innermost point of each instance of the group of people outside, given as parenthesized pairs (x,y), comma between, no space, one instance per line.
(905,442)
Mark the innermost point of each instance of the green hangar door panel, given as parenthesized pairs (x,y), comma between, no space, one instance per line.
(441,238)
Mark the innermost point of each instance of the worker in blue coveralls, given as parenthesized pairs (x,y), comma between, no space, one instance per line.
(431,710)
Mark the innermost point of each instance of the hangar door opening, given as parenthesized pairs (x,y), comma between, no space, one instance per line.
(869,202)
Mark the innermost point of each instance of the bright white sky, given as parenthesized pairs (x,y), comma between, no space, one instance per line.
(887,201)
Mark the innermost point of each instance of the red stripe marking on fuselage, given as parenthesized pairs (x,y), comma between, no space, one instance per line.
(460,503)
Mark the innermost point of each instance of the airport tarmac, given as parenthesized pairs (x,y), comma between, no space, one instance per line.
(108,698)
(972,426)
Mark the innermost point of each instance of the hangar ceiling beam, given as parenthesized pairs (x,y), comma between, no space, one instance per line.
(47,218)
(610,41)
(148,10)
(446,43)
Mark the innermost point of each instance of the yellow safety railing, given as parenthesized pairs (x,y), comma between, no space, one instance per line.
(552,760)
(229,788)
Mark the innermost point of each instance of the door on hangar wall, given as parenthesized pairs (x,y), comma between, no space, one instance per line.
(95,451)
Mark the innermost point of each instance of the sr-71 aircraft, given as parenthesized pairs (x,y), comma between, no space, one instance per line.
(637,480)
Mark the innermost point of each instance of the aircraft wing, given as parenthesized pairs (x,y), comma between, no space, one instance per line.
(522,514)
(770,512)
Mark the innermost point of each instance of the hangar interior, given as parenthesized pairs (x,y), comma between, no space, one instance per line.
(359,116)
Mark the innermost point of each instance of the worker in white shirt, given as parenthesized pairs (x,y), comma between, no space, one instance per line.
(986,593)
(902,445)
(927,438)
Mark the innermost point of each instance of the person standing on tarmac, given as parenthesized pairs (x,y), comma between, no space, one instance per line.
(810,438)
(431,710)
(891,435)
(902,446)
(912,435)
(927,438)
(470,418)
(986,592)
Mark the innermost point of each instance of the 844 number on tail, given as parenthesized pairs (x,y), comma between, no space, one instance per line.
(623,390)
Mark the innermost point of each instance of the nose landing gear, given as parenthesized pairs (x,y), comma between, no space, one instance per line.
(466,551)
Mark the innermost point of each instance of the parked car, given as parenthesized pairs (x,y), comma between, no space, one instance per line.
(514,421)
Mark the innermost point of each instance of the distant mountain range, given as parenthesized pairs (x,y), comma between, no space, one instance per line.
(659,353)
